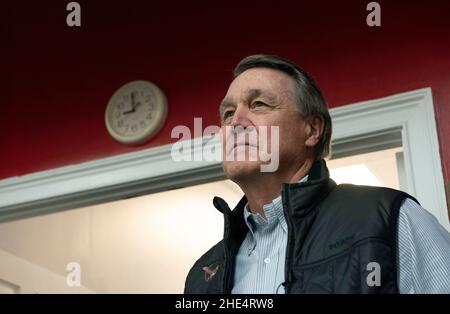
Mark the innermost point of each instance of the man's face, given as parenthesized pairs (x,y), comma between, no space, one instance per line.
(261,97)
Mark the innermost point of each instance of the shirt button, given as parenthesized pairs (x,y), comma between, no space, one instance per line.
(267,260)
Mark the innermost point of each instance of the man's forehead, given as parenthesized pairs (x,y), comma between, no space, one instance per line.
(259,81)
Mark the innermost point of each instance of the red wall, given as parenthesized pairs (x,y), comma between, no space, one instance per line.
(56,80)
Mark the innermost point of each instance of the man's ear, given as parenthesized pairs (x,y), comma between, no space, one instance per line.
(314,130)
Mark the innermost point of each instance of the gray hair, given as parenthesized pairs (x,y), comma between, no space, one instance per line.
(310,99)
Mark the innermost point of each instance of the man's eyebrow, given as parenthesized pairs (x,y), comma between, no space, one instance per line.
(250,94)
(226,102)
(253,93)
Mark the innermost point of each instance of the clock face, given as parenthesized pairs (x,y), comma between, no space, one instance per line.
(136,112)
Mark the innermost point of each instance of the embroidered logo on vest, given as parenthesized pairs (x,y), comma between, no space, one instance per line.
(339,246)
(210,271)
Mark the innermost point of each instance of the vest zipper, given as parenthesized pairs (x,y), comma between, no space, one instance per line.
(288,262)
(227,262)
(226,272)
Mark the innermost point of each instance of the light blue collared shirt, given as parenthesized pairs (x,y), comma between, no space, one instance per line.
(423,251)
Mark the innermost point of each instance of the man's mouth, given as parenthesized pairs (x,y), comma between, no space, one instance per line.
(242,146)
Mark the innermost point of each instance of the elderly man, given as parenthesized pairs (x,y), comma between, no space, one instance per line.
(295,230)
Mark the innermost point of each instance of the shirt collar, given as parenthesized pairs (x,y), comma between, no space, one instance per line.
(273,212)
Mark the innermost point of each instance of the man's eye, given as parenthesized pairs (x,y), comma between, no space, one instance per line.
(258,103)
(228,114)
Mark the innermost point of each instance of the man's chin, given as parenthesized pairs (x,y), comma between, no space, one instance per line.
(238,170)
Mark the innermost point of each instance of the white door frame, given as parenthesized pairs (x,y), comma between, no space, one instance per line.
(413,114)
(153,169)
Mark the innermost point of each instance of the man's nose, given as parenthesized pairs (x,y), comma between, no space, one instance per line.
(240,118)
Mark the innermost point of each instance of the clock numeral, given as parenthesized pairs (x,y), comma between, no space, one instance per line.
(117,114)
(120,123)
(148,116)
(120,106)
(127,127)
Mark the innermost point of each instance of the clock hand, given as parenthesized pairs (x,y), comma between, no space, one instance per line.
(133,109)
(132,101)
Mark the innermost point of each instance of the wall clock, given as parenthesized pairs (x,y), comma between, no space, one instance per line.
(136,112)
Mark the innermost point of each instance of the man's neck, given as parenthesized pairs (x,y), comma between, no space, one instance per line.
(263,189)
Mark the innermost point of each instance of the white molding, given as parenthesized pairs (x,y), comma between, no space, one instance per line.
(413,112)
(154,170)
(101,180)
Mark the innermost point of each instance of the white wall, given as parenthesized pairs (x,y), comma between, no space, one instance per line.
(140,245)
(21,276)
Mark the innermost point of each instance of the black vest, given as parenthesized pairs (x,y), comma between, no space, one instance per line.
(341,239)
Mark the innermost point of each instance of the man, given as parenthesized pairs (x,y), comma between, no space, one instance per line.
(295,230)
